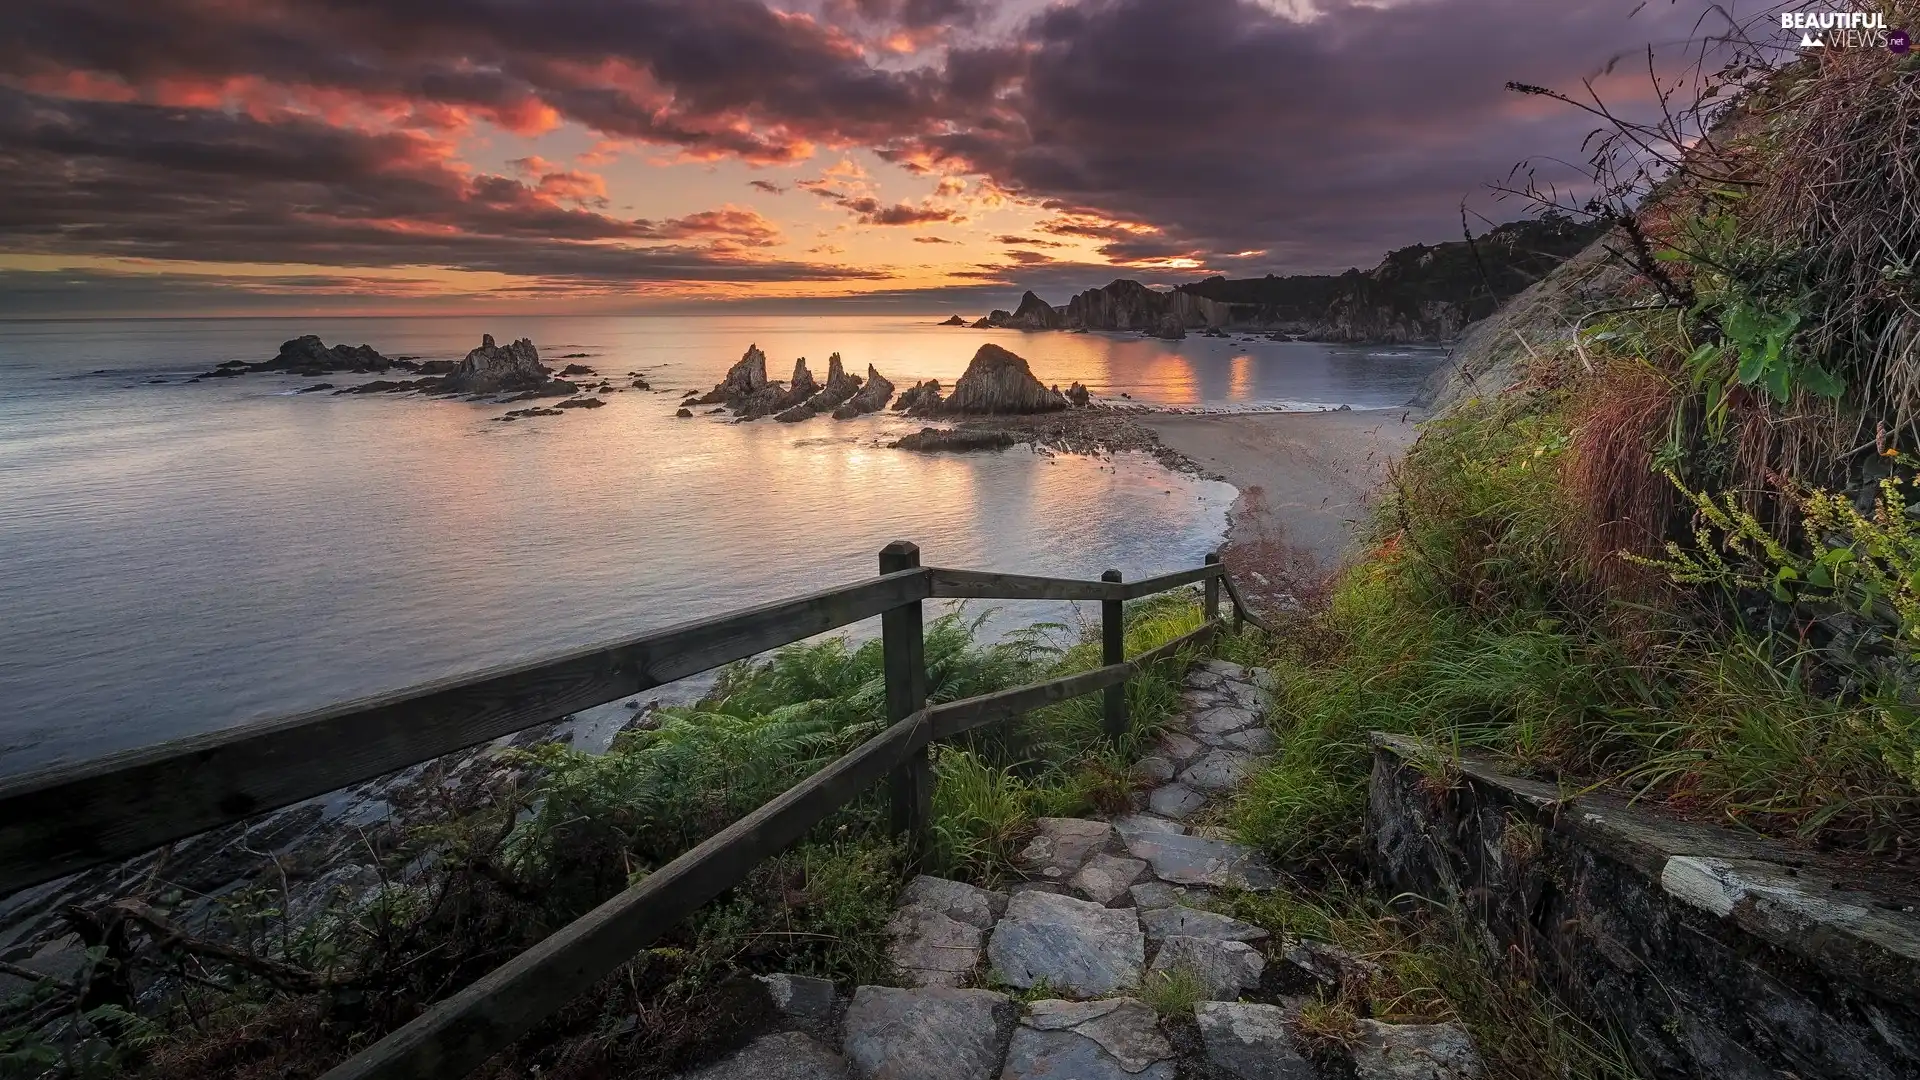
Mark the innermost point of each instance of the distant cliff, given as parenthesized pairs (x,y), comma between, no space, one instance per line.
(1417,294)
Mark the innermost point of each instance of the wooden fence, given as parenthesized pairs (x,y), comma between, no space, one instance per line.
(62,820)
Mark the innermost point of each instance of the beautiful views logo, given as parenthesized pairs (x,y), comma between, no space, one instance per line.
(1845,30)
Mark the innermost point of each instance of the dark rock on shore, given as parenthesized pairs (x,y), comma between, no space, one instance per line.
(1078,397)
(641,384)
(580,403)
(956,440)
(872,397)
(997,381)
(684,414)
(390,386)
(518,413)
(955,321)
(577,369)
(438,367)
(922,400)
(315,388)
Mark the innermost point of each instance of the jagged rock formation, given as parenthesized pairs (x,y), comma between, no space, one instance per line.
(922,400)
(491,369)
(744,379)
(998,381)
(955,321)
(872,397)
(774,399)
(1417,294)
(839,389)
(1078,397)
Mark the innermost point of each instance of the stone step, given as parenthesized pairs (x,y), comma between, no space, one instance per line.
(935,1033)
(1114,1039)
(1074,947)
(784,1055)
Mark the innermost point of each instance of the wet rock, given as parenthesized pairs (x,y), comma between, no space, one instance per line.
(1218,771)
(1072,945)
(957,900)
(1078,397)
(873,396)
(642,384)
(1224,969)
(1116,1039)
(1063,846)
(315,388)
(955,321)
(747,377)
(931,1034)
(998,381)
(1106,878)
(1177,801)
(922,399)
(684,414)
(930,949)
(577,369)
(956,441)
(1414,1052)
(438,367)
(522,414)
(580,403)
(1199,860)
(1252,1042)
(1169,328)
(308,355)
(491,369)
(799,390)
(1169,922)
(785,1055)
(996,318)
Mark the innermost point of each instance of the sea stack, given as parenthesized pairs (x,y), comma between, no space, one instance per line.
(491,369)
(998,381)
(872,397)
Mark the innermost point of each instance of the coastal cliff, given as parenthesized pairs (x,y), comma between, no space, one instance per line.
(1417,294)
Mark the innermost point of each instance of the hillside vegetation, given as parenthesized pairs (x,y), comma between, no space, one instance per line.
(1665,541)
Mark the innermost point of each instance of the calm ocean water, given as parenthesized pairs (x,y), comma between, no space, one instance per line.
(177,557)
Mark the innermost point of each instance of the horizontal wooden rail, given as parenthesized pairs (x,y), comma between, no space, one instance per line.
(955,717)
(59,820)
(1136,590)
(455,1036)
(974,585)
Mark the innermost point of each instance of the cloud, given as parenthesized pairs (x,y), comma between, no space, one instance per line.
(1028,241)
(933,240)
(767,186)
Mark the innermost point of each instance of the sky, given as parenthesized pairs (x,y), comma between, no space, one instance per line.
(413,156)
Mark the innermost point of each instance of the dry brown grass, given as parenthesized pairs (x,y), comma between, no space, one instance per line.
(1841,193)
(1620,500)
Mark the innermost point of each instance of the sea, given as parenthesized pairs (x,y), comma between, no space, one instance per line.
(180,557)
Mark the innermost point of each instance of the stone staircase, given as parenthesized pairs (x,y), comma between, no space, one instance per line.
(1106,906)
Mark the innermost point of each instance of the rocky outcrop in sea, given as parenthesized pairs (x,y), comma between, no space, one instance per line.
(308,355)
(872,397)
(923,399)
(998,381)
(491,369)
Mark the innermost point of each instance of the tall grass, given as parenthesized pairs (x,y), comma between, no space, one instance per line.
(1477,624)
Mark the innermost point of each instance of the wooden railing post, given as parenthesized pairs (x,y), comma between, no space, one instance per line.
(1113,650)
(904,658)
(1213,589)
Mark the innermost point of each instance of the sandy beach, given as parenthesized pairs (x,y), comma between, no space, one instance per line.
(1304,478)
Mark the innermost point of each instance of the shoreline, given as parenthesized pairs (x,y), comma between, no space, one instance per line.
(1305,478)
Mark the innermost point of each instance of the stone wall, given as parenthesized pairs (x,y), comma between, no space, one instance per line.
(1713,953)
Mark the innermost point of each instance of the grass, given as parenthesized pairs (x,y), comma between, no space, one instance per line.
(1430,969)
